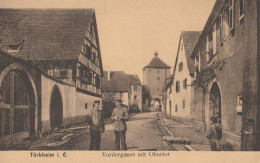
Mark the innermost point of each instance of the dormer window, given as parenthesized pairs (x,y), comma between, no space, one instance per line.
(15,48)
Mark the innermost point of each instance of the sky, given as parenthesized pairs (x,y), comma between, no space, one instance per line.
(130,31)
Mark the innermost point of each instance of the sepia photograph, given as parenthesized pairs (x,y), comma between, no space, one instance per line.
(153,76)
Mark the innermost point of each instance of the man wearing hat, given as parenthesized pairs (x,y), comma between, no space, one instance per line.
(96,122)
(119,115)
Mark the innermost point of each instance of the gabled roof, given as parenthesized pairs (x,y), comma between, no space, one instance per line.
(156,62)
(118,82)
(134,79)
(190,39)
(47,33)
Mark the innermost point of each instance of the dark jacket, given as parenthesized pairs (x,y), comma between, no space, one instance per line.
(95,120)
(212,134)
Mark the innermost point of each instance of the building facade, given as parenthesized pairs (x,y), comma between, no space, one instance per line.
(226,77)
(180,91)
(136,97)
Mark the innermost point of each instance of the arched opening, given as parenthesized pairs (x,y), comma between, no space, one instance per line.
(17,104)
(56,108)
(215,102)
(155,104)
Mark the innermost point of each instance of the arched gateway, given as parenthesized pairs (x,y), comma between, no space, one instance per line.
(18,103)
(56,108)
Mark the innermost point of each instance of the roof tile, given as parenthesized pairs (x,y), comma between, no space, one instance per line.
(156,62)
(47,33)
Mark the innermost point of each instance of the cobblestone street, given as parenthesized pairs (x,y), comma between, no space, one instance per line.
(144,133)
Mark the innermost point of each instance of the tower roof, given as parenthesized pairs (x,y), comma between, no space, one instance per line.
(156,62)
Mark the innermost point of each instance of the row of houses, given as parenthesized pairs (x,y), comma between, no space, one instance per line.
(217,71)
(118,85)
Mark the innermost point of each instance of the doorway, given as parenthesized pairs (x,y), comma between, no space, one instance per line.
(56,108)
(17,106)
(215,102)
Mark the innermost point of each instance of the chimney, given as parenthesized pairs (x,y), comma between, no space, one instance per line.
(108,74)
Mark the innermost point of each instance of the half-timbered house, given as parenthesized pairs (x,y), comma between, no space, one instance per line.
(63,46)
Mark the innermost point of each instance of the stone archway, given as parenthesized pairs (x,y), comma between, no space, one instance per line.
(215,101)
(56,108)
(18,104)
(155,104)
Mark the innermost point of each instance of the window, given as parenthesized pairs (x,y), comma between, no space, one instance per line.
(241,9)
(135,88)
(176,108)
(231,14)
(135,97)
(183,103)
(211,43)
(94,57)
(197,64)
(214,40)
(239,104)
(180,66)
(177,86)
(97,82)
(83,50)
(158,89)
(86,105)
(185,83)
(227,21)
(64,74)
(90,78)
(170,90)
(158,71)
(88,51)
(158,78)
(210,46)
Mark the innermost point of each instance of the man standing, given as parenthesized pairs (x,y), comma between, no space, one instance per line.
(212,135)
(119,115)
(96,122)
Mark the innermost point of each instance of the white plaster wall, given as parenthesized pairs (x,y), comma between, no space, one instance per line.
(125,98)
(184,94)
(81,99)
(47,85)
(73,101)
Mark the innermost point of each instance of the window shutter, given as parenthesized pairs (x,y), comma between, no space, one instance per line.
(199,62)
(231,15)
(214,39)
(207,48)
